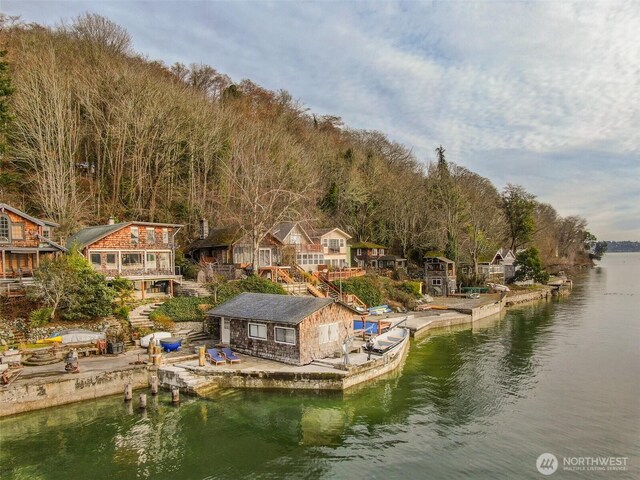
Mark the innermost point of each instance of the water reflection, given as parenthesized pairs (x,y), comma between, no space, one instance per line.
(452,401)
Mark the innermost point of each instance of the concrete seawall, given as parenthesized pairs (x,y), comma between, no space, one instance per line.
(41,393)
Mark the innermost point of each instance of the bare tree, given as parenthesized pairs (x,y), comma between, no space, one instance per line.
(266,180)
(101,32)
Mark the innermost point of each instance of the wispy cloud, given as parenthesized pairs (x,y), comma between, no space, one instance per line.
(545,94)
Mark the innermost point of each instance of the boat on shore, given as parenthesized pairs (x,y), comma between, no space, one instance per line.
(388,341)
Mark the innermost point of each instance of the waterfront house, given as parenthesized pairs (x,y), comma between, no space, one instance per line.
(314,249)
(440,275)
(393,262)
(367,254)
(500,268)
(143,252)
(288,329)
(24,242)
(227,251)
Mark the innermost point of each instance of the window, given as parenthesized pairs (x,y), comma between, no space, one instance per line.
(46,232)
(112,261)
(5,228)
(374,251)
(151,261)
(131,261)
(334,245)
(96,260)
(341,242)
(285,335)
(436,281)
(258,331)
(17,231)
(325,242)
(135,235)
(165,236)
(359,251)
(328,333)
(295,239)
(381,251)
(164,261)
(151,236)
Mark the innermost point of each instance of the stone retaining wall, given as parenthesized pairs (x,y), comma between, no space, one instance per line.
(70,388)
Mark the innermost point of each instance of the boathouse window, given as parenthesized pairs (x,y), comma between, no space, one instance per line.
(285,335)
(5,229)
(328,333)
(258,331)
(96,260)
(135,235)
(436,281)
(151,236)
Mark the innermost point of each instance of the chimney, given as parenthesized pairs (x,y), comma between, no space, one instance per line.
(111,221)
(204,228)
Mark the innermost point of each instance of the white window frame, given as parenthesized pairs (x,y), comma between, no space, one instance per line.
(134,234)
(20,231)
(359,251)
(374,252)
(111,265)
(257,325)
(275,335)
(436,281)
(97,266)
(165,236)
(381,252)
(151,239)
(331,333)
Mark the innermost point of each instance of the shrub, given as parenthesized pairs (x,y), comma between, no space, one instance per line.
(121,312)
(367,288)
(40,317)
(412,288)
(163,322)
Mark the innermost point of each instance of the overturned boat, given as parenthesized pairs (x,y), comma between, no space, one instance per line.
(388,341)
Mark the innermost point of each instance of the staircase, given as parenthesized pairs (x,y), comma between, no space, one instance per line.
(189,288)
(188,382)
(139,316)
(330,290)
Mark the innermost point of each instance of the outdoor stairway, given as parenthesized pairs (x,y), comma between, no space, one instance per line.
(139,316)
(188,382)
(191,289)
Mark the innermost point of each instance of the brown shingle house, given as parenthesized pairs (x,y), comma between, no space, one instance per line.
(288,329)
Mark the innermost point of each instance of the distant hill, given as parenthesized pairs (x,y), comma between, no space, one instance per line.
(624,246)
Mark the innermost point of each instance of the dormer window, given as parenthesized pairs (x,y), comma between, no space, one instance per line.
(5,229)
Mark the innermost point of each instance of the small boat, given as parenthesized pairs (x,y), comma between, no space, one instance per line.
(380,310)
(496,287)
(74,335)
(386,342)
(171,344)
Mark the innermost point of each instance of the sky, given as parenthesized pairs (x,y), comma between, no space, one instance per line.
(541,94)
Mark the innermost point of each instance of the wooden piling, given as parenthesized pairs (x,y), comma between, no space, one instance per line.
(154,384)
(175,395)
(128,392)
(143,401)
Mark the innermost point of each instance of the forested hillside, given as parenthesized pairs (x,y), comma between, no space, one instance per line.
(95,130)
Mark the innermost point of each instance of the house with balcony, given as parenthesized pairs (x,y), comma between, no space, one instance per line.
(500,268)
(25,241)
(440,275)
(367,254)
(335,246)
(143,252)
(227,251)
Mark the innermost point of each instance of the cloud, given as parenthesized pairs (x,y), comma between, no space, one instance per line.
(544,94)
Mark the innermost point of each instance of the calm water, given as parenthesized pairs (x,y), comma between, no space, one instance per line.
(559,377)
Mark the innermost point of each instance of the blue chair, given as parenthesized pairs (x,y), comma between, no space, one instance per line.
(213,355)
(229,355)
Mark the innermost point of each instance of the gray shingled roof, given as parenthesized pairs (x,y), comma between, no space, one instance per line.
(218,237)
(88,235)
(270,308)
(282,229)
